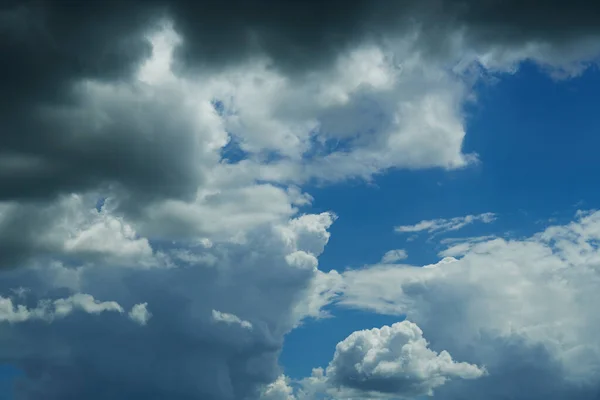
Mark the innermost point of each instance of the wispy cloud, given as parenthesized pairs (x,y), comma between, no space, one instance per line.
(227,318)
(441,225)
(393,256)
(457,247)
(469,239)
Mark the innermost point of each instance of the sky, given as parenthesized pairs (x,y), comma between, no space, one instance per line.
(299,201)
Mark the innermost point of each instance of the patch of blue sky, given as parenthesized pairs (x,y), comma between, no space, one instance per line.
(100,203)
(8,376)
(232,152)
(538,142)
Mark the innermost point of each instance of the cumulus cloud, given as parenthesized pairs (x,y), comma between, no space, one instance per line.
(525,312)
(445,225)
(71,227)
(388,362)
(140,314)
(394,360)
(278,390)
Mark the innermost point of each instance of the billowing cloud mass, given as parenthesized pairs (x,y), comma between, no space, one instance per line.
(526,310)
(156,236)
(394,360)
(178,344)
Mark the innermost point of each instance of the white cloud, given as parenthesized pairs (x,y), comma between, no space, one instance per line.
(321,291)
(278,390)
(525,306)
(460,246)
(71,227)
(48,310)
(140,314)
(445,225)
(394,360)
(388,362)
(230,319)
(393,256)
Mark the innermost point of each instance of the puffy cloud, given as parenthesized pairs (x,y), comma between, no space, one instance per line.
(388,362)
(140,314)
(445,225)
(523,308)
(394,360)
(278,390)
(393,256)
(71,227)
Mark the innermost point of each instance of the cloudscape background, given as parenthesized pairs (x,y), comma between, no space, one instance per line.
(295,200)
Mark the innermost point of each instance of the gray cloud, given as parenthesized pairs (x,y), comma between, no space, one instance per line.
(181,352)
(49,46)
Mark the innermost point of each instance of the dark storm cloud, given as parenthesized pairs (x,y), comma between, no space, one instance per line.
(47,46)
(49,43)
(503,22)
(182,353)
(302,35)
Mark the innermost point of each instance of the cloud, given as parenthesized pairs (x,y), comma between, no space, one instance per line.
(393,256)
(394,360)
(230,319)
(48,310)
(251,280)
(140,314)
(138,104)
(388,362)
(460,246)
(359,76)
(71,227)
(98,145)
(445,225)
(278,390)
(524,312)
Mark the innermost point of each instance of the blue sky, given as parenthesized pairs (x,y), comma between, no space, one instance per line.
(394,201)
(530,174)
